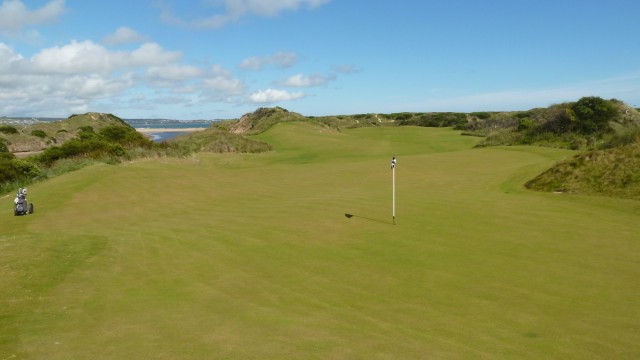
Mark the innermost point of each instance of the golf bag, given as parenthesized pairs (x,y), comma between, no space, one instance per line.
(21,206)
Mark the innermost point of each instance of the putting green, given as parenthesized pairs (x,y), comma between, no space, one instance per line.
(251,257)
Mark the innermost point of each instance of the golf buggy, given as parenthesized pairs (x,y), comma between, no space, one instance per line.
(20,204)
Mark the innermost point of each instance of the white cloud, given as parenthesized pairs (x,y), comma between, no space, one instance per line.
(83,75)
(236,9)
(124,35)
(14,15)
(221,85)
(8,57)
(280,60)
(76,57)
(89,57)
(300,80)
(152,54)
(274,95)
(174,72)
(346,69)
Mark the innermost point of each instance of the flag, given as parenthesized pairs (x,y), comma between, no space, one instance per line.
(393,163)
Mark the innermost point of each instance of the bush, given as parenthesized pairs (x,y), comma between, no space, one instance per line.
(6,156)
(525,124)
(75,148)
(39,133)
(13,169)
(3,146)
(592,114)
(401,116)
(123,135)
(481,115)
(8,129)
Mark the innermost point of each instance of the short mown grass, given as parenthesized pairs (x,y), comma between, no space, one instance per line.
(250,256)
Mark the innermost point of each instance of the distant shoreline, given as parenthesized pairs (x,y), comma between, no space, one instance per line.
(168,130)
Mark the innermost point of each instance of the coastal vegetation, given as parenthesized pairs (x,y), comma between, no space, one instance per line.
(61,146)
(597,128)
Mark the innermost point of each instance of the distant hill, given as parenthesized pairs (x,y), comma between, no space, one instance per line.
(262,119)
(218,139)
(606,131)
(41,135)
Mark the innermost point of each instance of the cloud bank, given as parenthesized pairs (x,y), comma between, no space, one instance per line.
(81,75)
(237,9)
(15,16)
(124,35)
(274,95)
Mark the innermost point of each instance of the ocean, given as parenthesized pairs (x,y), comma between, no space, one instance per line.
(164,125)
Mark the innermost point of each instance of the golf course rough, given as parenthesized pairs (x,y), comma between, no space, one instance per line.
(250,256)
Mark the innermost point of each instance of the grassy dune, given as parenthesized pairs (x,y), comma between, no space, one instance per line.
(250,256)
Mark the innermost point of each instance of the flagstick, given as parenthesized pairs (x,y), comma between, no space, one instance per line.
(393,176)
(393,188)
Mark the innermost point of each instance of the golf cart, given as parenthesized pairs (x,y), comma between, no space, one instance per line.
(20,204)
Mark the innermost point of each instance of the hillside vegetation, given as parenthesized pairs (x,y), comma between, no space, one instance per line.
(612,172)
(64,145)
(262,119)
(589,124)
(40,136)
(218,139)
(607,132)
(80,140)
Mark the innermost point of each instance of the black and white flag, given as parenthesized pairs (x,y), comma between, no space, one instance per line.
(393,163)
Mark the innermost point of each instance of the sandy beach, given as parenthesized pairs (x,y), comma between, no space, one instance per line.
(167,130)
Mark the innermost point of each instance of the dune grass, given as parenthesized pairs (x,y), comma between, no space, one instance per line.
(250,256)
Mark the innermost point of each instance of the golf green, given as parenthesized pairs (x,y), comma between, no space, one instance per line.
(250,256)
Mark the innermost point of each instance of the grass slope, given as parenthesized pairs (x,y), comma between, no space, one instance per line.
(610,172)
(249,256)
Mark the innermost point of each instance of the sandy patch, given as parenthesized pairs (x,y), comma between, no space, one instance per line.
(167,130)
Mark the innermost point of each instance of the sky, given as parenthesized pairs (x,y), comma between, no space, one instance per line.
(220,59)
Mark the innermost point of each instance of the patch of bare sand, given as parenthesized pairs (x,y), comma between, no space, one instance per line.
(166,130)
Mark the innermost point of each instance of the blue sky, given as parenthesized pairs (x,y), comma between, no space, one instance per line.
(214,59)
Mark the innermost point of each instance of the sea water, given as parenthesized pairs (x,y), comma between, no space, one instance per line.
(166,135)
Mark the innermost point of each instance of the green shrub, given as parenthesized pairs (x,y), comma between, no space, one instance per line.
(14,169)
(481,115)
(116,150)
(8,129)
(525,124)
(75,148)
(86,133)
(123,135)
(401,116)
(6,156)
(3,146)
(592,114)
(39,133)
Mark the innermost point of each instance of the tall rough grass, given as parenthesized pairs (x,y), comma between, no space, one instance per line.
(611,172)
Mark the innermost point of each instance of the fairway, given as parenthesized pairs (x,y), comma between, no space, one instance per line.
(250,256)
